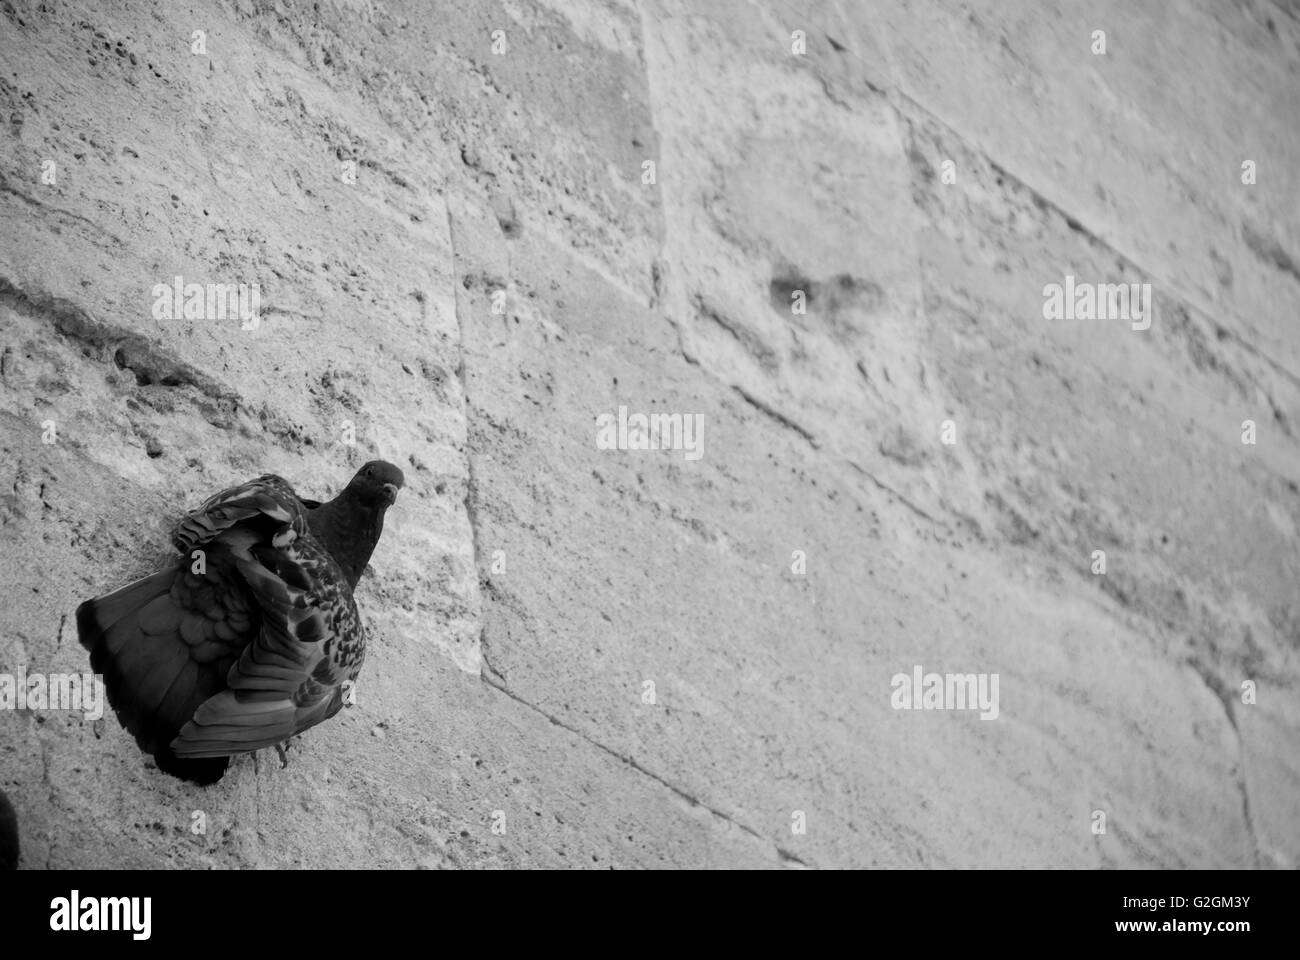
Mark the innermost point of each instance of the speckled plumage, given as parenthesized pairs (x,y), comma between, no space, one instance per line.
(249,637)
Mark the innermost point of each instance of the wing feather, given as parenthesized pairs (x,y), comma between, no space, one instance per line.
(290,677)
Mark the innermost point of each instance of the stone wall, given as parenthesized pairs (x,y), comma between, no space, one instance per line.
(604,658)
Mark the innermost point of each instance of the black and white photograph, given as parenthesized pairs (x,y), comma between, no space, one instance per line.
(668,435)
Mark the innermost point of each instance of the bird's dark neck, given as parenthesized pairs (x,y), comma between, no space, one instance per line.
(349,530)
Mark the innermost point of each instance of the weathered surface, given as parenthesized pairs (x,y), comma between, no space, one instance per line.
(500,274)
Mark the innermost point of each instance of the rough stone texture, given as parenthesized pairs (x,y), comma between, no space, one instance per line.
(499,275)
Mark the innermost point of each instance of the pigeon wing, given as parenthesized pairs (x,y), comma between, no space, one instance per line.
(291,676)
(267,500)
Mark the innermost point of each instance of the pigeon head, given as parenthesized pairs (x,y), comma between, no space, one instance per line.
(376,484)
(349,525)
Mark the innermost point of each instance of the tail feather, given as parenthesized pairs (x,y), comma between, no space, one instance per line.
(178,695)
(102,612)
(166,662)
(135,640)
(235,721)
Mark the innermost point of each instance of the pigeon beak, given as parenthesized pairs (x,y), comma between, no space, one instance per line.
(391,490)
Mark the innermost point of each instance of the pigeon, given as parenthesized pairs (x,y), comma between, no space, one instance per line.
(248,637)
(8,834)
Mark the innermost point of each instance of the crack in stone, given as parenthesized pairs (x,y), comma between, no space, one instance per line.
(894,493)
(471,474)
(149,362)
(6,187)
(1224,695)
(790,424)
(776,415)
(783,854)
(1182,295)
